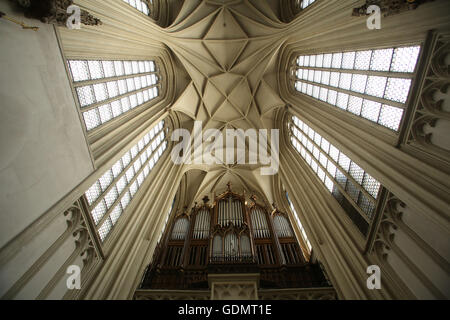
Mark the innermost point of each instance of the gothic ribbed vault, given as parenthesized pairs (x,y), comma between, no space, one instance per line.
(230,50)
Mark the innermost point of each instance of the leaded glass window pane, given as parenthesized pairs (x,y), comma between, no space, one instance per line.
(116,94)
(114,190)
(341,176)
(369,74)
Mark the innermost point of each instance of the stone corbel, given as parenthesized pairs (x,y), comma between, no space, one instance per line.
(389,223)
(389,7)
(54,12)
(438,64)
(429,110)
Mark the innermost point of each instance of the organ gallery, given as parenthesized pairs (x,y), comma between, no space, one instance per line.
(231,236)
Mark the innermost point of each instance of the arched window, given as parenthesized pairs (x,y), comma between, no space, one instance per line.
(372,84)
(139,5)
(259,223)
(282,226)
(167,219)
(202,224)
(300,225)
(107,89)
(304,3)
(180,229)
(354,188)
(230,211)
(110,195)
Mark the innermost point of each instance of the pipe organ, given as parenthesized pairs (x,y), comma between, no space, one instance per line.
(230,236)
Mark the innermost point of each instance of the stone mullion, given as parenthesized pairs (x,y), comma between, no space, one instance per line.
(387,74)
(109,100)
(108,79)
(101,196)
(342,190)
(108,212)
(91,227)
(349,177)
(349,92)
(382,199)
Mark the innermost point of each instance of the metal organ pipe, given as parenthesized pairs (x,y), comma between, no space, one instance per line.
(264,226)
(207,223)
(220,214)
(230,210)
(233,212)
(245,246)
(227,244)
(261,228)
(202,223)
(180,229)
(261,225)
(217,246)
(240,213)
(233,205)
(258,223)
(282,227)
(227,211)
(231,246)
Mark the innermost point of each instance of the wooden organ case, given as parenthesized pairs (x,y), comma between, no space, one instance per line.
(230,237)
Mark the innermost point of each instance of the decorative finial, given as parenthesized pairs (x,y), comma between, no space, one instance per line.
(229,186)
(205,199)
(253,198)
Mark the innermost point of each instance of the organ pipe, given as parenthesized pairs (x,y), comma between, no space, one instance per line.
(246,250)
(180,229)
(282,227)
(231,245)
(217,246)
(260,227)
(230,211)
(202,224)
